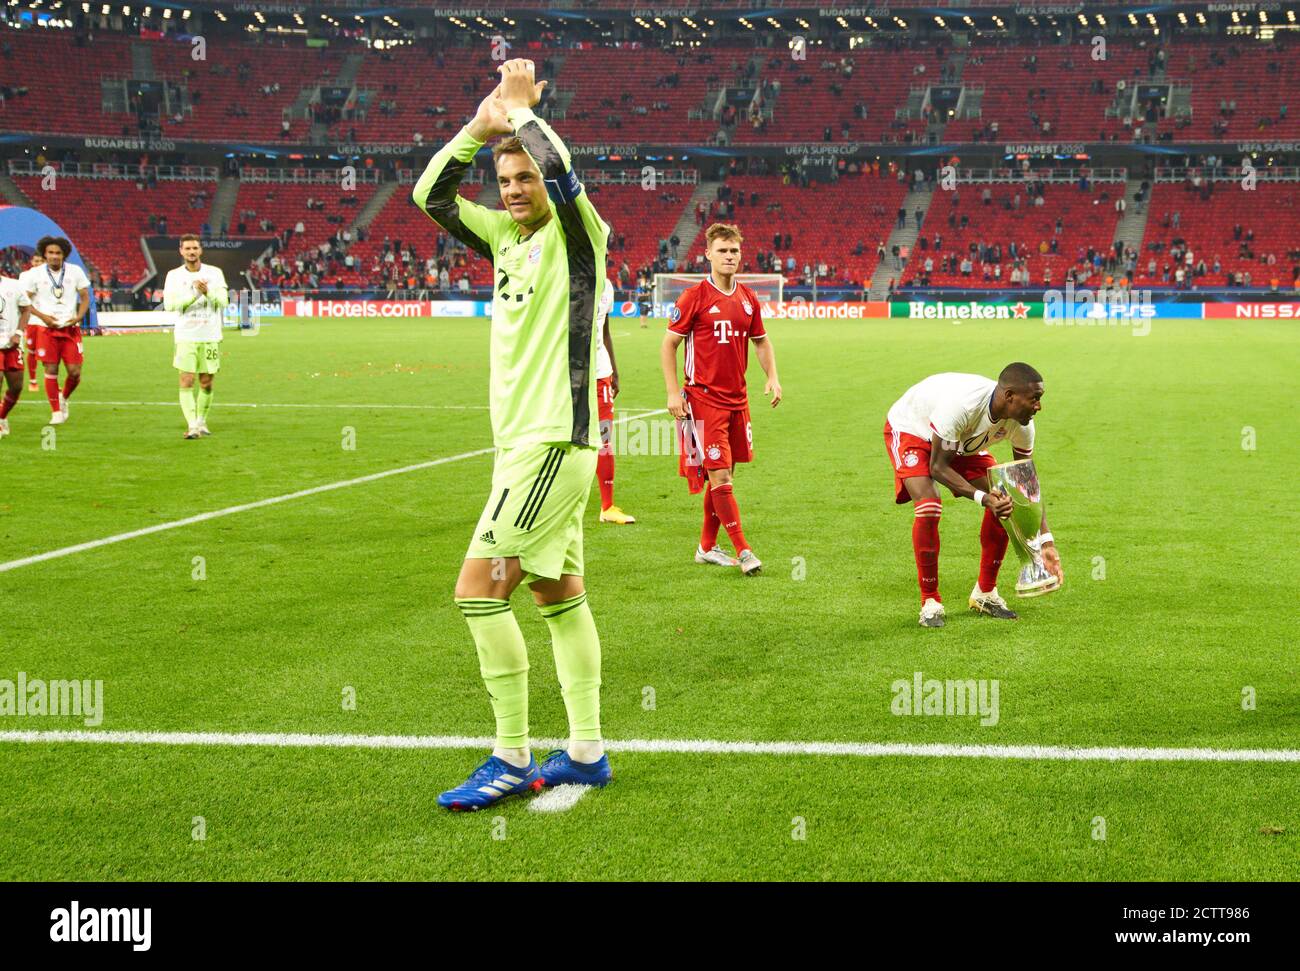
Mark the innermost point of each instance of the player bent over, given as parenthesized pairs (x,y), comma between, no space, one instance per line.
(938,433)
(33,325)
(197,294)
(11,352)
(549,258)
(716,319)
(606,392)
(59,293)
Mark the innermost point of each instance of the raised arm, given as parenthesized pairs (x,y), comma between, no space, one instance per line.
(476,226)
(581,223)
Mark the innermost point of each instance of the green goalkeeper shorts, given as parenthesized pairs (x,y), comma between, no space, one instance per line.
(198,357)
(539,494)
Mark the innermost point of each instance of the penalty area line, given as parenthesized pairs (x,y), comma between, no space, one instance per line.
(1056,753)
(257,504)
(277,404)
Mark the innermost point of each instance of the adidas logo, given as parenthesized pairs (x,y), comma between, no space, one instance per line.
(488,538)
(714,309)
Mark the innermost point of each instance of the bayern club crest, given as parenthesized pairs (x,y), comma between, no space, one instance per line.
(535,254)
(714,453)
(910,459)
(748,308)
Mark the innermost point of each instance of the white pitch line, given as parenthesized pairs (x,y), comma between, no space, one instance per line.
(1057,753)
(559,799)
(258,504)
(251,404)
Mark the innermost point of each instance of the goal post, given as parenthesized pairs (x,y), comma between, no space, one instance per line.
(768,287)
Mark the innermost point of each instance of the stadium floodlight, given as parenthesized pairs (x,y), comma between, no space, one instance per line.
(167,13)
(105,10)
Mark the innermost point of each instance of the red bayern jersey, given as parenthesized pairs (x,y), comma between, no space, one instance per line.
(718,327)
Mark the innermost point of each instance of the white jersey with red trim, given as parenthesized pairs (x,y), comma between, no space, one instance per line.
(956,408)
(57,294)
(604,366)
(23,285)
(11,295)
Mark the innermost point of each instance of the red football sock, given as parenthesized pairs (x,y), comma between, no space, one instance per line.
(52,390)
(993,545)
(709,534)
(605,478)
(10,399)
(724,505)
(925,544)
(31,365)
(70,385)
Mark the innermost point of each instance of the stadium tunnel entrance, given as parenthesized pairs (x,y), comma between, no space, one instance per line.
(22,227)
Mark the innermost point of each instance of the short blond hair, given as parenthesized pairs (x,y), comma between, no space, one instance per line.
(727,231)
(508,146)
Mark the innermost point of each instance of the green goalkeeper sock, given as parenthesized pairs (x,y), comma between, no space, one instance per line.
(503,662)
(205,402)
(577,663)
(187,405)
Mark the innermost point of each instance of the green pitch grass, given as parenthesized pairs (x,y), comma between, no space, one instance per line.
(1166,461)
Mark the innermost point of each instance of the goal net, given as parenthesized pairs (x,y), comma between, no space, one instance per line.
(768,287)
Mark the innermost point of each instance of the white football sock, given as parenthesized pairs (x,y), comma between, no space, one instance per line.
(518,757)
(586,752)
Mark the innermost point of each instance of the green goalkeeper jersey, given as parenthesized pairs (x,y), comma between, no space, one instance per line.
(547,289)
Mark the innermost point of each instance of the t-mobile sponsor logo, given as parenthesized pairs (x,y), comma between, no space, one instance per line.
(106,924)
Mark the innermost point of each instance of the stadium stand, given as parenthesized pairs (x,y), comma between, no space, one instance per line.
(1219,223)
(826,222)
(69,100)
(108,216)
(1047,239)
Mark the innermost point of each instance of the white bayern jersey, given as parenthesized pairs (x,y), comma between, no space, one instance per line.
(24,281)
(198,316)
(10,309)
(956,408)
(604,366)
(56,294)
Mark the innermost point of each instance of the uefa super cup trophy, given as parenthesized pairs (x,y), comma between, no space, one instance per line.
(1019,481)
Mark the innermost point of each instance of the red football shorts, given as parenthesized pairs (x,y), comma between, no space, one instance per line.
(724,434)
(33,337)
(11,359)
(911,457)
(61,344)
(605,399)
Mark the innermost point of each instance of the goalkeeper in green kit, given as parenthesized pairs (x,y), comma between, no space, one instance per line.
(548,254)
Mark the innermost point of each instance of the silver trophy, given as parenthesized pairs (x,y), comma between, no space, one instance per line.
(1019,481)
